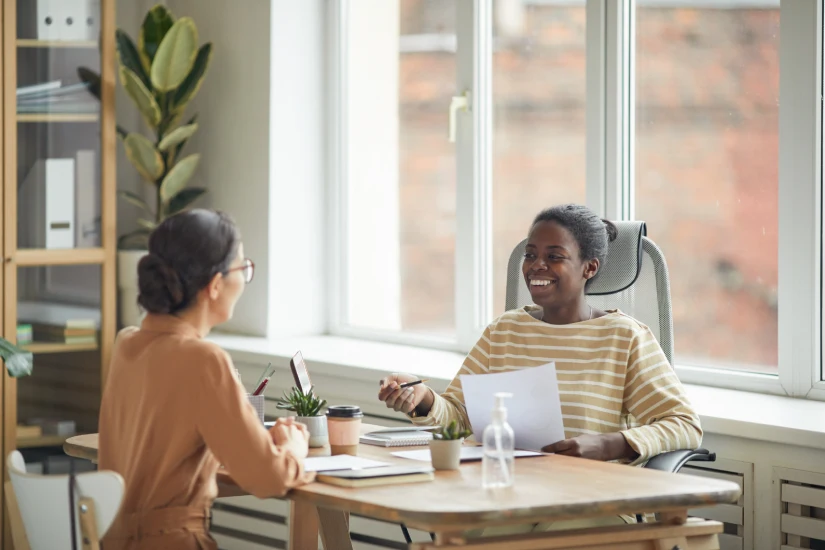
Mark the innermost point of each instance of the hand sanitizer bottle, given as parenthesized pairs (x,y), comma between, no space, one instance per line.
(498,461)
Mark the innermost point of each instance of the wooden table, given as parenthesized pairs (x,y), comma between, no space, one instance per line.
(547,489)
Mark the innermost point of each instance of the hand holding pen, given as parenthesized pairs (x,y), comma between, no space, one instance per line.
(406,393)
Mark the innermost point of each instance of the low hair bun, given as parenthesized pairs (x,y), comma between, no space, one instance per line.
(612,230)
(159,285)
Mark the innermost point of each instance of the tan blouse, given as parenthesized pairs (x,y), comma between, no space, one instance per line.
(172,412)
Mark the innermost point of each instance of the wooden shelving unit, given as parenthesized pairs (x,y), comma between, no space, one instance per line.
(68,378)
(58,347)
(34,43)
(42,441)
(58,117)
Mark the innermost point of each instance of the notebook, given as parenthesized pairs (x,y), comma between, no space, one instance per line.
(391,475)
(407,438)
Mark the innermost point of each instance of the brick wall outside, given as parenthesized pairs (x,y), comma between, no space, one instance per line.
(706,162)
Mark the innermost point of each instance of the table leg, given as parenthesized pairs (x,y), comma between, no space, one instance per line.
(449,538)
(334,529)
(303,526)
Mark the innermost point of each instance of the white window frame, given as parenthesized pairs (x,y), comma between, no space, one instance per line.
(473,274)
(610,176)
(800,211)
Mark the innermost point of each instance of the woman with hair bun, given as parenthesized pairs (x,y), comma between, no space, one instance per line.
(173,409)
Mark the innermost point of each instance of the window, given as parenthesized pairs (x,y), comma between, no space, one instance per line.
(667,111)
(538,119)
(707,173)
(400,168)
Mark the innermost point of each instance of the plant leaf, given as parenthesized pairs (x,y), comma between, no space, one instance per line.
(128,56)
(177,136)
(144,156)
(182,143)
(176,178)
(139,236)
(88,76)
(183,199)
(156,24)
(175,55)
(148,224)
(143,98)
(192,83)
(134,199)
(121,131)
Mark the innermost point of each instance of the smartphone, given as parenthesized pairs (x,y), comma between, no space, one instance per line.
(300,373)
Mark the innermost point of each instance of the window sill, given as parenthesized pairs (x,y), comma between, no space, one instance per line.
(770,418)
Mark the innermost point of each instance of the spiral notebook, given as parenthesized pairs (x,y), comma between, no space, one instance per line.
(397,438)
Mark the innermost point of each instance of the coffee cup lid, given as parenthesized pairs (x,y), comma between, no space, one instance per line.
(344,411)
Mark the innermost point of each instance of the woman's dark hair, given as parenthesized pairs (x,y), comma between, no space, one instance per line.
(591,232)
(185,252)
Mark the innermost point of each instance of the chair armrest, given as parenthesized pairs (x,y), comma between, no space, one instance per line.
(674,460)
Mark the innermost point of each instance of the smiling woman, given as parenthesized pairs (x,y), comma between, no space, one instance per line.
(620,398)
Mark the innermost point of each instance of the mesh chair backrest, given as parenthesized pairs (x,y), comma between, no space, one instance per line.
(633,279)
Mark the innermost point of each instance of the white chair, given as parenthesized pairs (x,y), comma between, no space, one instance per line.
(39,506)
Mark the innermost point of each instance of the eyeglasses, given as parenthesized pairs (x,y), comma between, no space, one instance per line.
(247,268)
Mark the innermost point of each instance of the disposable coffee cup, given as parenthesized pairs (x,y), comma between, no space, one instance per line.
(344,426)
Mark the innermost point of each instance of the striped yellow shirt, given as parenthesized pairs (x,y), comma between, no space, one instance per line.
(612,376)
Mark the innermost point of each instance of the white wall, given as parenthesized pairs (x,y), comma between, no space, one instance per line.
(262,145)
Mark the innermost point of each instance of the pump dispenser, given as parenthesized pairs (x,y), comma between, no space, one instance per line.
(498,462)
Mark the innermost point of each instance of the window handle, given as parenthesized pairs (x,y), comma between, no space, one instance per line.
(458,103)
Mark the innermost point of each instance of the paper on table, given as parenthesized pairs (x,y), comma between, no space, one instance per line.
(339,462)
(534,411)
(467,454)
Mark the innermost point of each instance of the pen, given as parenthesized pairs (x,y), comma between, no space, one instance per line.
(261,387)
(263,375)
(408,384)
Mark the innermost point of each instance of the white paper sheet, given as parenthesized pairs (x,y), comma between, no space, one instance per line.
(339,462)
(534,411)
(468,454)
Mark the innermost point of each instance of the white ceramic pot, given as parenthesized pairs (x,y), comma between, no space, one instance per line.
(130,313)
(317,426)
(446,453)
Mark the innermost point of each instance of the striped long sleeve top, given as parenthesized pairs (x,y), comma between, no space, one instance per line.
(612,377)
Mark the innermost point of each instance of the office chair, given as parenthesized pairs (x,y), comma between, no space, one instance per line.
(633,279)
(40,513)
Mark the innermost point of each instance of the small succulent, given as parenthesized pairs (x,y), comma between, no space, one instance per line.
(451,432)
(302,404)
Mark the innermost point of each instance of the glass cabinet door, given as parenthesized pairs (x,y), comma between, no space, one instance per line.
(58,124)
(59,147)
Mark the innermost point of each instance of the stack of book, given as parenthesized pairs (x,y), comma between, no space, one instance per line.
(54,97)
(63,323)
(71,333)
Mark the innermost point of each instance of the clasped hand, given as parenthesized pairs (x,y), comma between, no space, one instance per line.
(291,435)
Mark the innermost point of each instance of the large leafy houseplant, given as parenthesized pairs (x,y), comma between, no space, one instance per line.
(161,74)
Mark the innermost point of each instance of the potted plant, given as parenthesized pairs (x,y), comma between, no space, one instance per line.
(161,74)
(445,446)
(307,407)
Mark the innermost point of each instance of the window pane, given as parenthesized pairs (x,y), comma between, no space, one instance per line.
(401,167)
(539,119)
(707,169)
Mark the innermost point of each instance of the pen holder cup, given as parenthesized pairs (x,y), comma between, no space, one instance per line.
(257,402)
